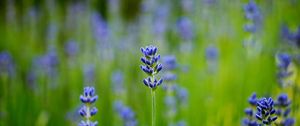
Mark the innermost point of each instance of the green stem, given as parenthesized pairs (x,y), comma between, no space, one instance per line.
(153,106)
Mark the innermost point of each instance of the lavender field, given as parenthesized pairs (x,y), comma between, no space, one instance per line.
(150,63)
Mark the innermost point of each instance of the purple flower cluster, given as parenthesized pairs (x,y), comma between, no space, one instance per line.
(265,111)
(89,73)
(151,66)
(252,13)
(87,111)
(283,110)
(47,63)
(292,38)
(170,64)
(185,28)
(264,114)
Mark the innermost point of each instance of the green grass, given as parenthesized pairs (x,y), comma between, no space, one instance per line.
(214,98)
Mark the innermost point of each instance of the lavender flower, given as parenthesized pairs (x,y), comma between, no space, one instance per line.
(283,110)
(151,66)
(100,27)
(44,66)
(211,53)
(170,64)
(247,122)
(181,123)
(185,28)
(89,73)
(71,48)
(127,115)
(171,103)
(284,61)
(182,95)
(47,63)
(251,10)
(253,14)
(117,81)
(87,111)
(160,20)
(265,111)
(250,120)
(6,64)
(253,99)
(292,38)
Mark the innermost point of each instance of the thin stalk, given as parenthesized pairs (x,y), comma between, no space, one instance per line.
(153,106)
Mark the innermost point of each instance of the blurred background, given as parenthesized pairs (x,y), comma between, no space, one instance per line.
(218,53)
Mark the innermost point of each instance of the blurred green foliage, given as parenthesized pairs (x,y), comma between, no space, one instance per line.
(31,28)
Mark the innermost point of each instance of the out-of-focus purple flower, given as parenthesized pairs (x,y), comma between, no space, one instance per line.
(250,27)
(252,13)
(127,115)
(211,53)
(292,38)
(282,101)
(212,57)
(31,79)
(265,111)
(170,101)
(71,48)
(248,122)
(160,20)
(182,95)
(283,110)
(100,27)
(169,76)
(47,63)
(117,79)
(169,62)
(171,105)
(283,62)
(6,64)
(89,73)
(185,28)
(285,33)
(181,123)
(288,122)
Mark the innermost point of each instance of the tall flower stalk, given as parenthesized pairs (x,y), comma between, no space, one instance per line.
(151,67)
(87,110)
